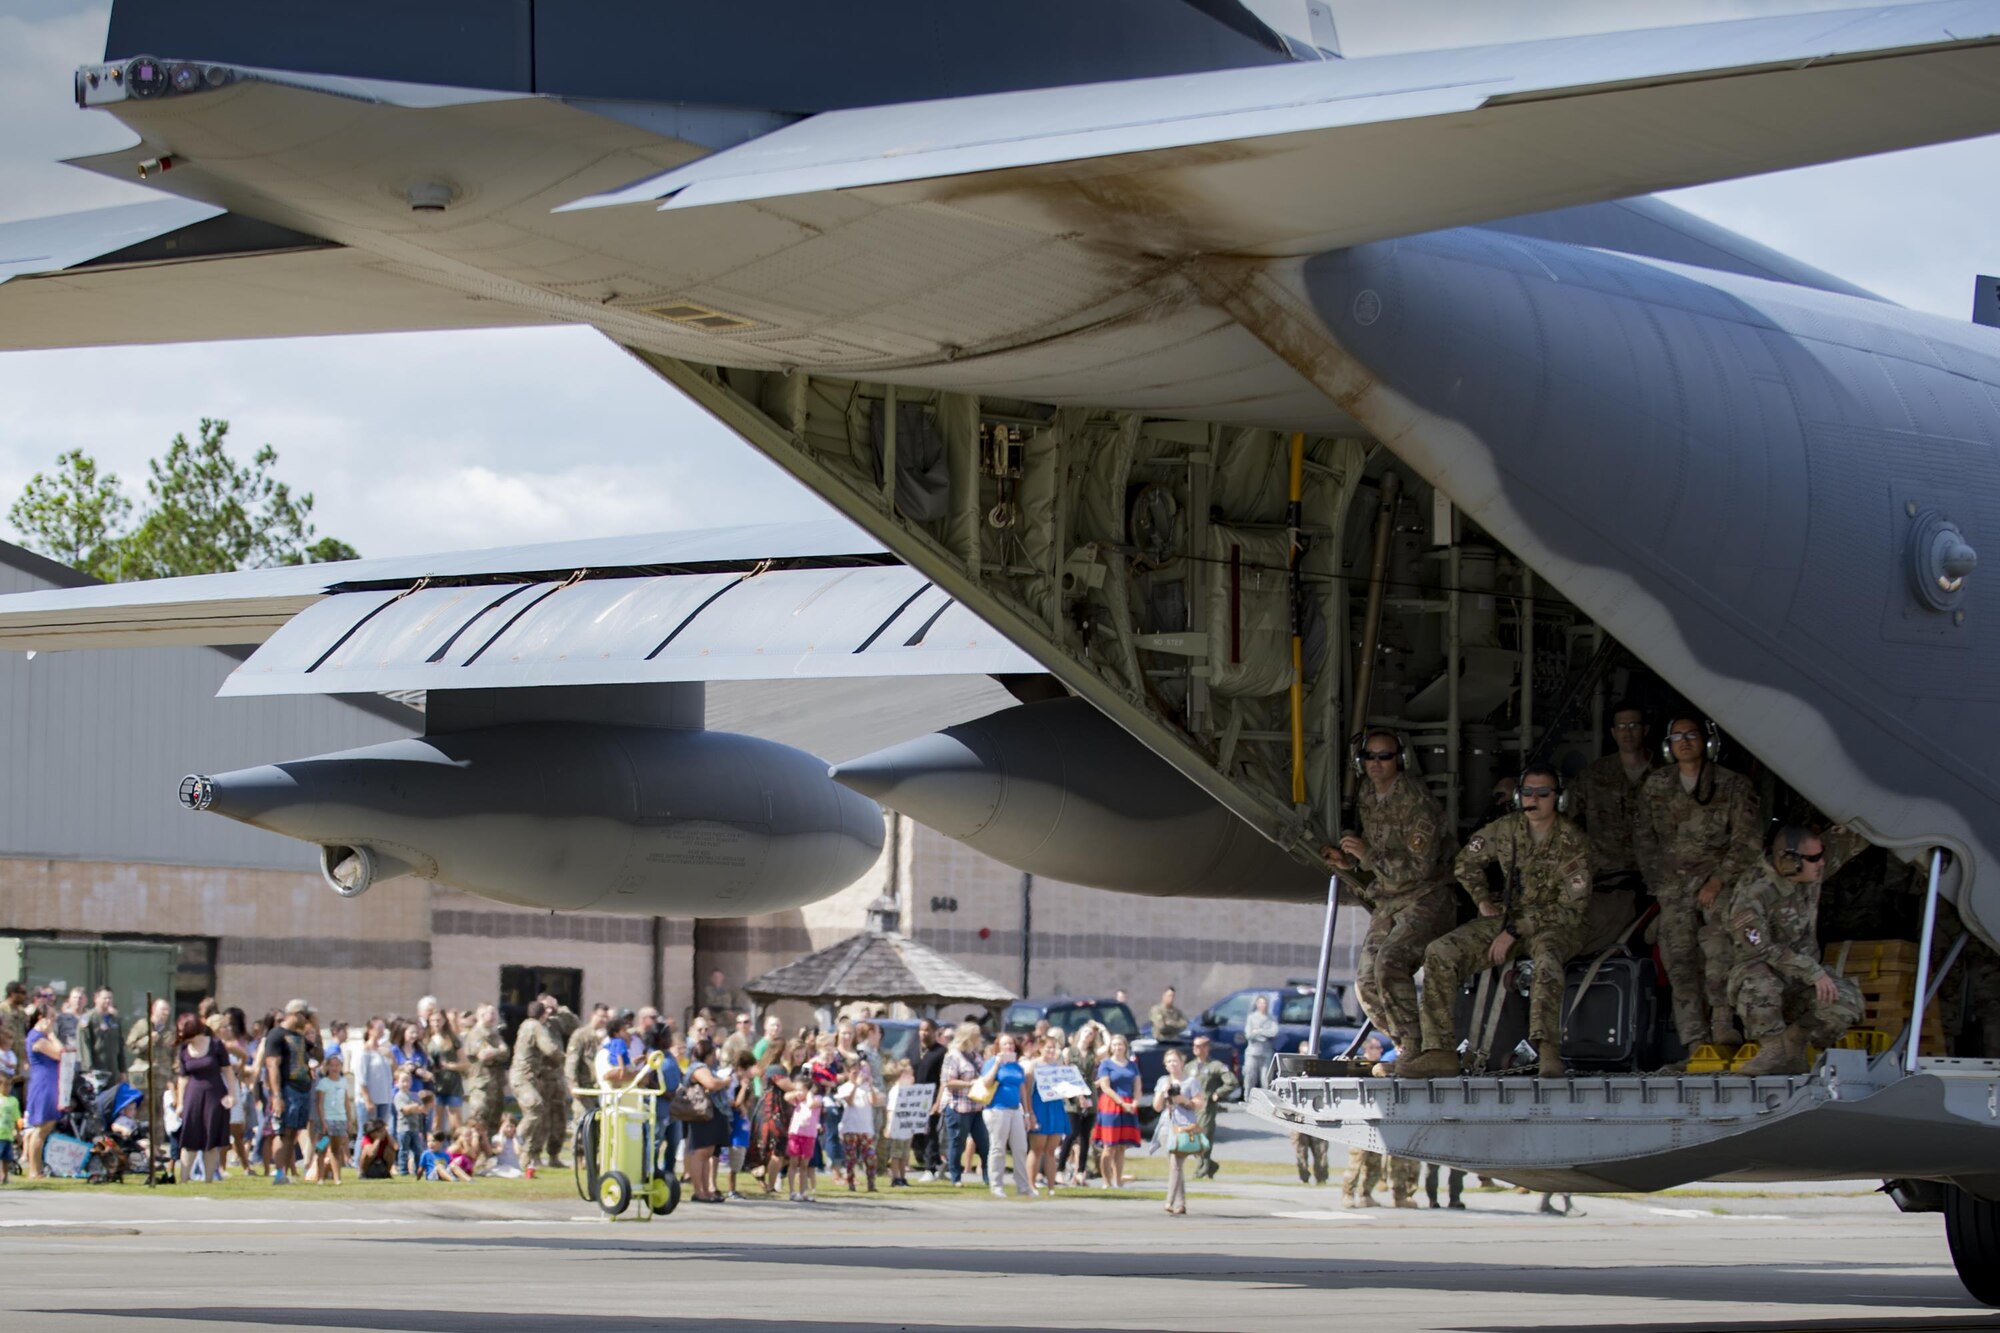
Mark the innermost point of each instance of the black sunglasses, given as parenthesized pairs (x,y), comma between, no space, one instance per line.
(1379,756)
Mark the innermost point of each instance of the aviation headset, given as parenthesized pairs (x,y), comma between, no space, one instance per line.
(1785,844)
(1562,789)
(1361,746)
(1712,747)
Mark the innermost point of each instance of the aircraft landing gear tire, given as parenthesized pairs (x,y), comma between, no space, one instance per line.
(1972,1228)
(614,1193)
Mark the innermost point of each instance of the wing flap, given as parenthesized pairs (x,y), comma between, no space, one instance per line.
(768,625)
(173,270)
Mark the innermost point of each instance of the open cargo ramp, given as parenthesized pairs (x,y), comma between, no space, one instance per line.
(1847,1119)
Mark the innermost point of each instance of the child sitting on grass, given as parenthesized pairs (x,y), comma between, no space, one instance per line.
(506,1160)
(378,1151)
(469,1149)
(439,1164)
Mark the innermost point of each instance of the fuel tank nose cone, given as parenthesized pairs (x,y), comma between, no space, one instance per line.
(949,781)
(197,791)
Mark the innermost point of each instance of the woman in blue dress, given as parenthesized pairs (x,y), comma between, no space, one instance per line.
(1050,1116)
(44,1064)
(1117,1111)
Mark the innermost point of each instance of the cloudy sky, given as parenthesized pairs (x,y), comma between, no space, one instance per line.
(529,435)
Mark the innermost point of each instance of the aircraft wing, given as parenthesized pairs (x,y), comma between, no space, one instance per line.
(766,602)
(1303,158)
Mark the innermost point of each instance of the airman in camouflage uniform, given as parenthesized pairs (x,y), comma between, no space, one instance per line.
(535,1079)
(1547,862)
(580,1060)
(1772,916)
(152,1040)
(1399,867)
(1698,836)
(1169,1023)
(486,1059)
(1609,812)
(1216,1081)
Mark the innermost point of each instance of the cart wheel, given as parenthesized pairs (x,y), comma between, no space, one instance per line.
(664,1194)
(614,1193)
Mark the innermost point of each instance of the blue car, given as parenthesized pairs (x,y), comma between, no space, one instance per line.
(1291,1005)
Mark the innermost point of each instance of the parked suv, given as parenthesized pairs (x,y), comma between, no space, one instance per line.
(1291,1005)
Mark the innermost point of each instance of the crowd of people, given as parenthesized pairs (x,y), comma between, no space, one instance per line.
(289,1096)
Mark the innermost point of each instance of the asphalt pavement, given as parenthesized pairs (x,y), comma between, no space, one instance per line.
(1256,1251)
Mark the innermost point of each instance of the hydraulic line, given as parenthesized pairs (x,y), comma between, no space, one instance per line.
(1294,520)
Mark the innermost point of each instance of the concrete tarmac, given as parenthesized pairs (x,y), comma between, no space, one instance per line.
(1256,1255)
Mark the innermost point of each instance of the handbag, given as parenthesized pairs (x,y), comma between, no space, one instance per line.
(691,1103)
(1189,1140)
(982,1090)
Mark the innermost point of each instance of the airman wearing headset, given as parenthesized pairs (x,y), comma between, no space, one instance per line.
(1609,812)
(1545,862)
(1773,914)
(1697,834)
(1400,861)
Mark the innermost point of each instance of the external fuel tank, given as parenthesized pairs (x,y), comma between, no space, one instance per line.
(1058,789)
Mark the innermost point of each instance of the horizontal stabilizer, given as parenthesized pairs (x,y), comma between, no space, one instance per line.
(1299,158)
(249,605)
(886,620)
(1986,301)
(174,270)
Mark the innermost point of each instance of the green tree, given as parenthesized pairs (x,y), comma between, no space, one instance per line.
(206,513)
(74,514)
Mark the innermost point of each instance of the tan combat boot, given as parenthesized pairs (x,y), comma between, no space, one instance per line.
(1551,1061)
(1430,1064)
(1781,1053)
(1723,1033)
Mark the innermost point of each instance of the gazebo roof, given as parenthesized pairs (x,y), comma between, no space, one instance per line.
(878,964)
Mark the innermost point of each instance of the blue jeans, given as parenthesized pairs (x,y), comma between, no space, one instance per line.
(410,1149)
(957,1125)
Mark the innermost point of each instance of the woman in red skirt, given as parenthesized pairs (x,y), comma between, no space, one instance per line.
(1117,1111)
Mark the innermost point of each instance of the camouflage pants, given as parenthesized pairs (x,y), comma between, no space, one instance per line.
(1695,950)
(1466,952)
(1364,1174)
(1310,1153)
(483,1103)
(1385,974)
(1768,1002)
(1366,1169)
(542,1120)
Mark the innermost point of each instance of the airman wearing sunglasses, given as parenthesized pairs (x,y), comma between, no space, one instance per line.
(1697,834)
(1777,974)
(1546,864)
(1398,866)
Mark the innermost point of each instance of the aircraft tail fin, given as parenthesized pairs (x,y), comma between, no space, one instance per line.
(1986,301)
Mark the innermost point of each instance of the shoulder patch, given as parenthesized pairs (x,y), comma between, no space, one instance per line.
(1579,881)
(1478,843)
(1418,842)
(1753,937)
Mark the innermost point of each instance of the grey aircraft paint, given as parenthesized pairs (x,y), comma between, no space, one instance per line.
(1733,477)
(571,815)
(1058,789)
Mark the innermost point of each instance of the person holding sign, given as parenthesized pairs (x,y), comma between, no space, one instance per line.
(1050,1109)
(909,1107)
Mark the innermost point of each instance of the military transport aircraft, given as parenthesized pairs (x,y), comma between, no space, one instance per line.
(1150,342)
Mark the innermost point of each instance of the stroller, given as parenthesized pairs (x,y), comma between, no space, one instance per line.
(108,1115)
